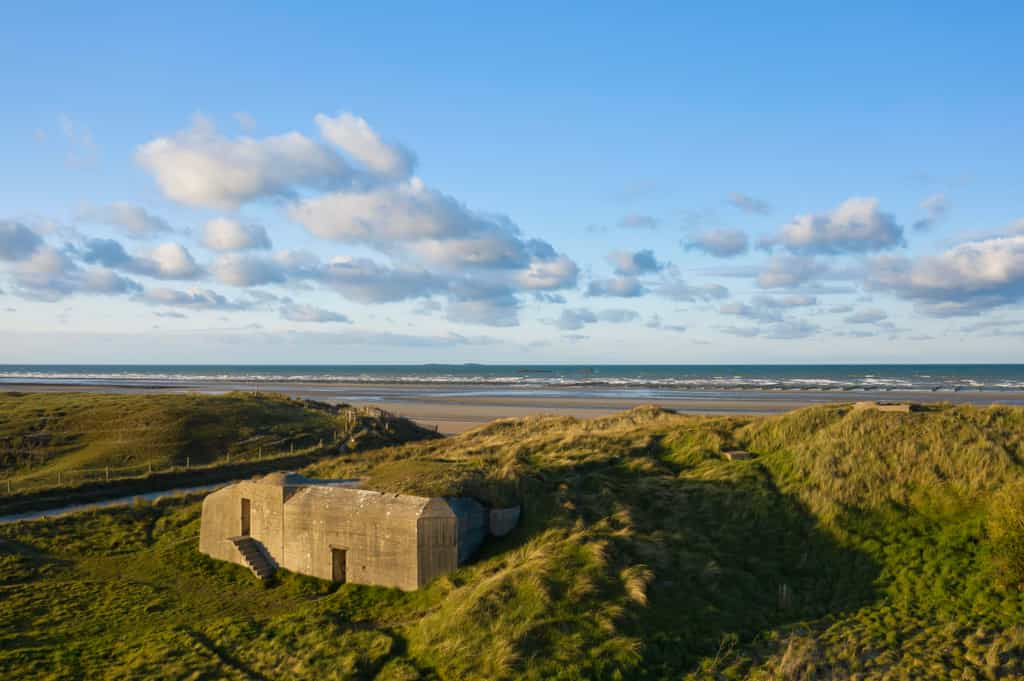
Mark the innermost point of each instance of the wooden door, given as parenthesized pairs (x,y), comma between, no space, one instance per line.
(246,517)
(338,559)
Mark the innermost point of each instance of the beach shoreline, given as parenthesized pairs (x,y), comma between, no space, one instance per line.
(454,407)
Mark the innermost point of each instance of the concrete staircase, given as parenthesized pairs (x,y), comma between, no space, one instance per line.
(255,557)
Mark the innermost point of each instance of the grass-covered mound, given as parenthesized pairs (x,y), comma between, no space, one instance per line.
(42,433)
(642,554)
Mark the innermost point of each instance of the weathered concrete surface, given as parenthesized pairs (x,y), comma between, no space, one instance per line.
(331,531)
(899,407)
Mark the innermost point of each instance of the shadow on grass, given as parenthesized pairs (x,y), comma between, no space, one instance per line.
(721,553)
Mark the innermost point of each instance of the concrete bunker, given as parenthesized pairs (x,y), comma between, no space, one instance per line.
(333,530)
(896,407)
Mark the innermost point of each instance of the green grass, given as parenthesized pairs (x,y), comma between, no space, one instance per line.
(43,433)
(855,545)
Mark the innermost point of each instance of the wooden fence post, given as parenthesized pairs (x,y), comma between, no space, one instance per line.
(8,485)
(108,473)
(151,468)
(60,480)
(259,453)
(291,448)
(188,462)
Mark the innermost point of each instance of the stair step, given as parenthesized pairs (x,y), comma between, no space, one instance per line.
(254,557)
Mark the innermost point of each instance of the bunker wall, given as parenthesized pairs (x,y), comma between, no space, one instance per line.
(379,538)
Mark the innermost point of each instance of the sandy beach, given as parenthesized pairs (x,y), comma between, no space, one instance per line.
(453,408)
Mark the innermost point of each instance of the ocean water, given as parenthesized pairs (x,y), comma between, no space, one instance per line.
(641,378)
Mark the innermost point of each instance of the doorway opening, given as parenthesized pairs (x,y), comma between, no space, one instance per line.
(246,517)
(339,557)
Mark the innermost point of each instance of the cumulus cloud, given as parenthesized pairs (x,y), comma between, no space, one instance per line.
(295,312)
(857,225)
(166,261)
(719,243)
(355,136)
(576,319)
(872,316)
(786,330)
(935,207)
(748,204)
(236,269)
(675,288)
(965,280)
(573,320)
(472,303)
(17,242)
(199,166)
(767,308)
(616,287)
(50,275)
(556,273)
(435,243)
(229,234)
(406,211)
(633,263)
(638,221)
(131,220)
(203,299)
(791,272)
(366,281)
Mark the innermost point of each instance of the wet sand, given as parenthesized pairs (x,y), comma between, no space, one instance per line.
(453,408)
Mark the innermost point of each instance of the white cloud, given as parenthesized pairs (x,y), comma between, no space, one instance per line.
(855,226)
(748,204)
(193,298)
(229,234)
(967,279)
(354,135)
(616,287)
(575,319)
(407,211)
(17,242)
(720,242)
(200,167)
(630,263)
(236,269)
(935,207)
(791,272)
(548,275)
(785,330)
(294,312)
(872,316)
(131,220)
(675,288)
(166,261)
(50,275)
(366,281)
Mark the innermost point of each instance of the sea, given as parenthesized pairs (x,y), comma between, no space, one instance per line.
(652,380)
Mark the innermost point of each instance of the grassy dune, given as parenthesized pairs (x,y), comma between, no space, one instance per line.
(855,545)
(42,433)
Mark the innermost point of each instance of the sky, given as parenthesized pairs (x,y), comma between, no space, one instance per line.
(511,183)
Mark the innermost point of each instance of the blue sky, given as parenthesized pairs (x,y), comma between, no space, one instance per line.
(597,183)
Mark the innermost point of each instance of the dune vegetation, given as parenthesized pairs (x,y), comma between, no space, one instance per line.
(80,435)
(854,544)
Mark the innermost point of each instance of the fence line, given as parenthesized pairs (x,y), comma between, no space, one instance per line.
(62,478)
